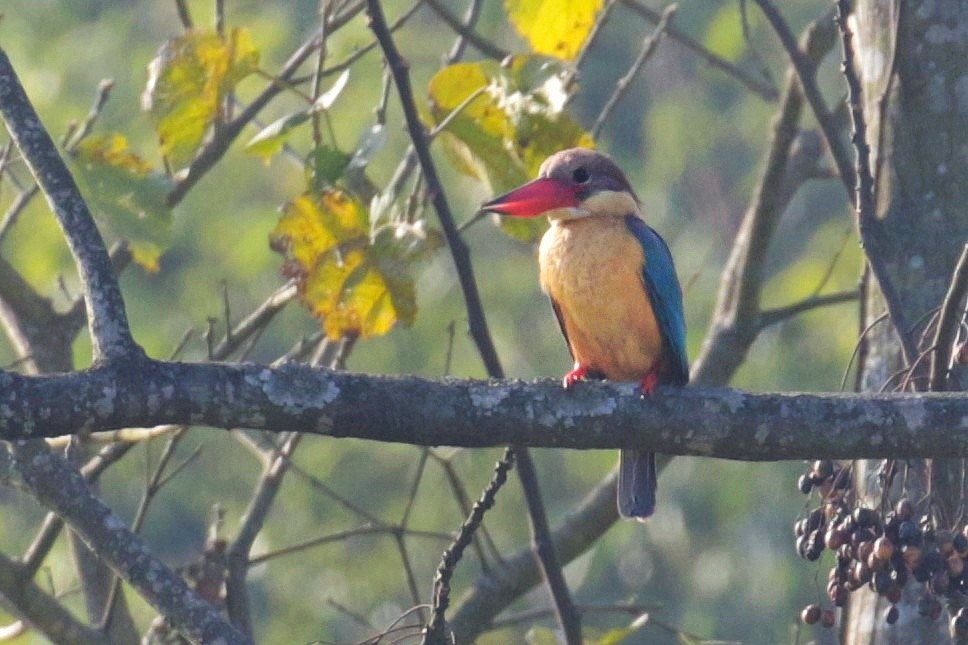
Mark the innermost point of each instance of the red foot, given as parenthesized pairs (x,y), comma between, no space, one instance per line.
(580,373)
(650,382)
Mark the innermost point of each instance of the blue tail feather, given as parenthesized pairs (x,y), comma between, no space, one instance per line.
(636,484)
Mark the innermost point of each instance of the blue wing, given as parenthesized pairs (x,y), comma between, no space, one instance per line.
(663,288)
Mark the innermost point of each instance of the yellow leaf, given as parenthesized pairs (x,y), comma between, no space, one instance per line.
(502,136)
(146,255)
(112,150)
(355,283)
(187,83)
(554,27)
(126,195)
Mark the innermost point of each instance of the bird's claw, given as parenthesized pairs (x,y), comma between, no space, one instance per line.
(580,373)
(649,383)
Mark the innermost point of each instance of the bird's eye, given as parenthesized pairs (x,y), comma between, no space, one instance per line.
(580,175)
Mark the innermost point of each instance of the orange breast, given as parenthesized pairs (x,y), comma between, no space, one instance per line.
(592,268)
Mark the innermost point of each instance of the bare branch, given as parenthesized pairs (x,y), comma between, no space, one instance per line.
(773,316)
(790,159)
(59,487)
(470,19)
(762,88)
(467,32)
(713,422)
(648,49)
(436,631)
(806,68)
(236,592)
(868,225)
(493,592)
(71,140)
(107,318)
(948,321)
(41,610)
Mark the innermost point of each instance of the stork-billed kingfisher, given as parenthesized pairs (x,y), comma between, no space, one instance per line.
(613,288)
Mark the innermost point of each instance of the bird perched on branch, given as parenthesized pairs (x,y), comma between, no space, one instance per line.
(613,287)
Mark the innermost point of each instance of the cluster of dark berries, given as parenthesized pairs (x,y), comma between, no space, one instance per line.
(883,551)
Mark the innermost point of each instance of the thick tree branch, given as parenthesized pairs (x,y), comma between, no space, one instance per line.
(713,422)
(42,610)
(868,224)
(106,313)
(59,487)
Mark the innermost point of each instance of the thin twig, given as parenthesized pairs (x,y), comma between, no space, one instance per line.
(75,137)
(61,488)
(568,616)
(806,68)
(184,15)
(464,505)
(237,555)
(948,323)
(762,88)
(42,610)
(154,484)
(258,319)
(470,20)
(343,536)
(648,49)
(734,325)
(773,316)
(466,31)
(436,631)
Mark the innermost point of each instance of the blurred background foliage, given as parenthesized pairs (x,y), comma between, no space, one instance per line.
(716,561)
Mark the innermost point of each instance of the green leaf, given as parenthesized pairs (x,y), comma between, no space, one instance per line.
(554,27)
(126,195)
(326,100)
(324,166)
(355,285)
(272,138)
(540,636)
(724,35)
(188,82)
(619,634)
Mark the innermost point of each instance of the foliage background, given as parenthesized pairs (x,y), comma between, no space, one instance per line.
(717,559)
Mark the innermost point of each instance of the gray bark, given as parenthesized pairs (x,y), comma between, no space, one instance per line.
(917,113)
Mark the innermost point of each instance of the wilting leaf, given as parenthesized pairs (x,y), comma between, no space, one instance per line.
(356,285)
(554,27)
(187,83)
(502,136)
(126,195)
